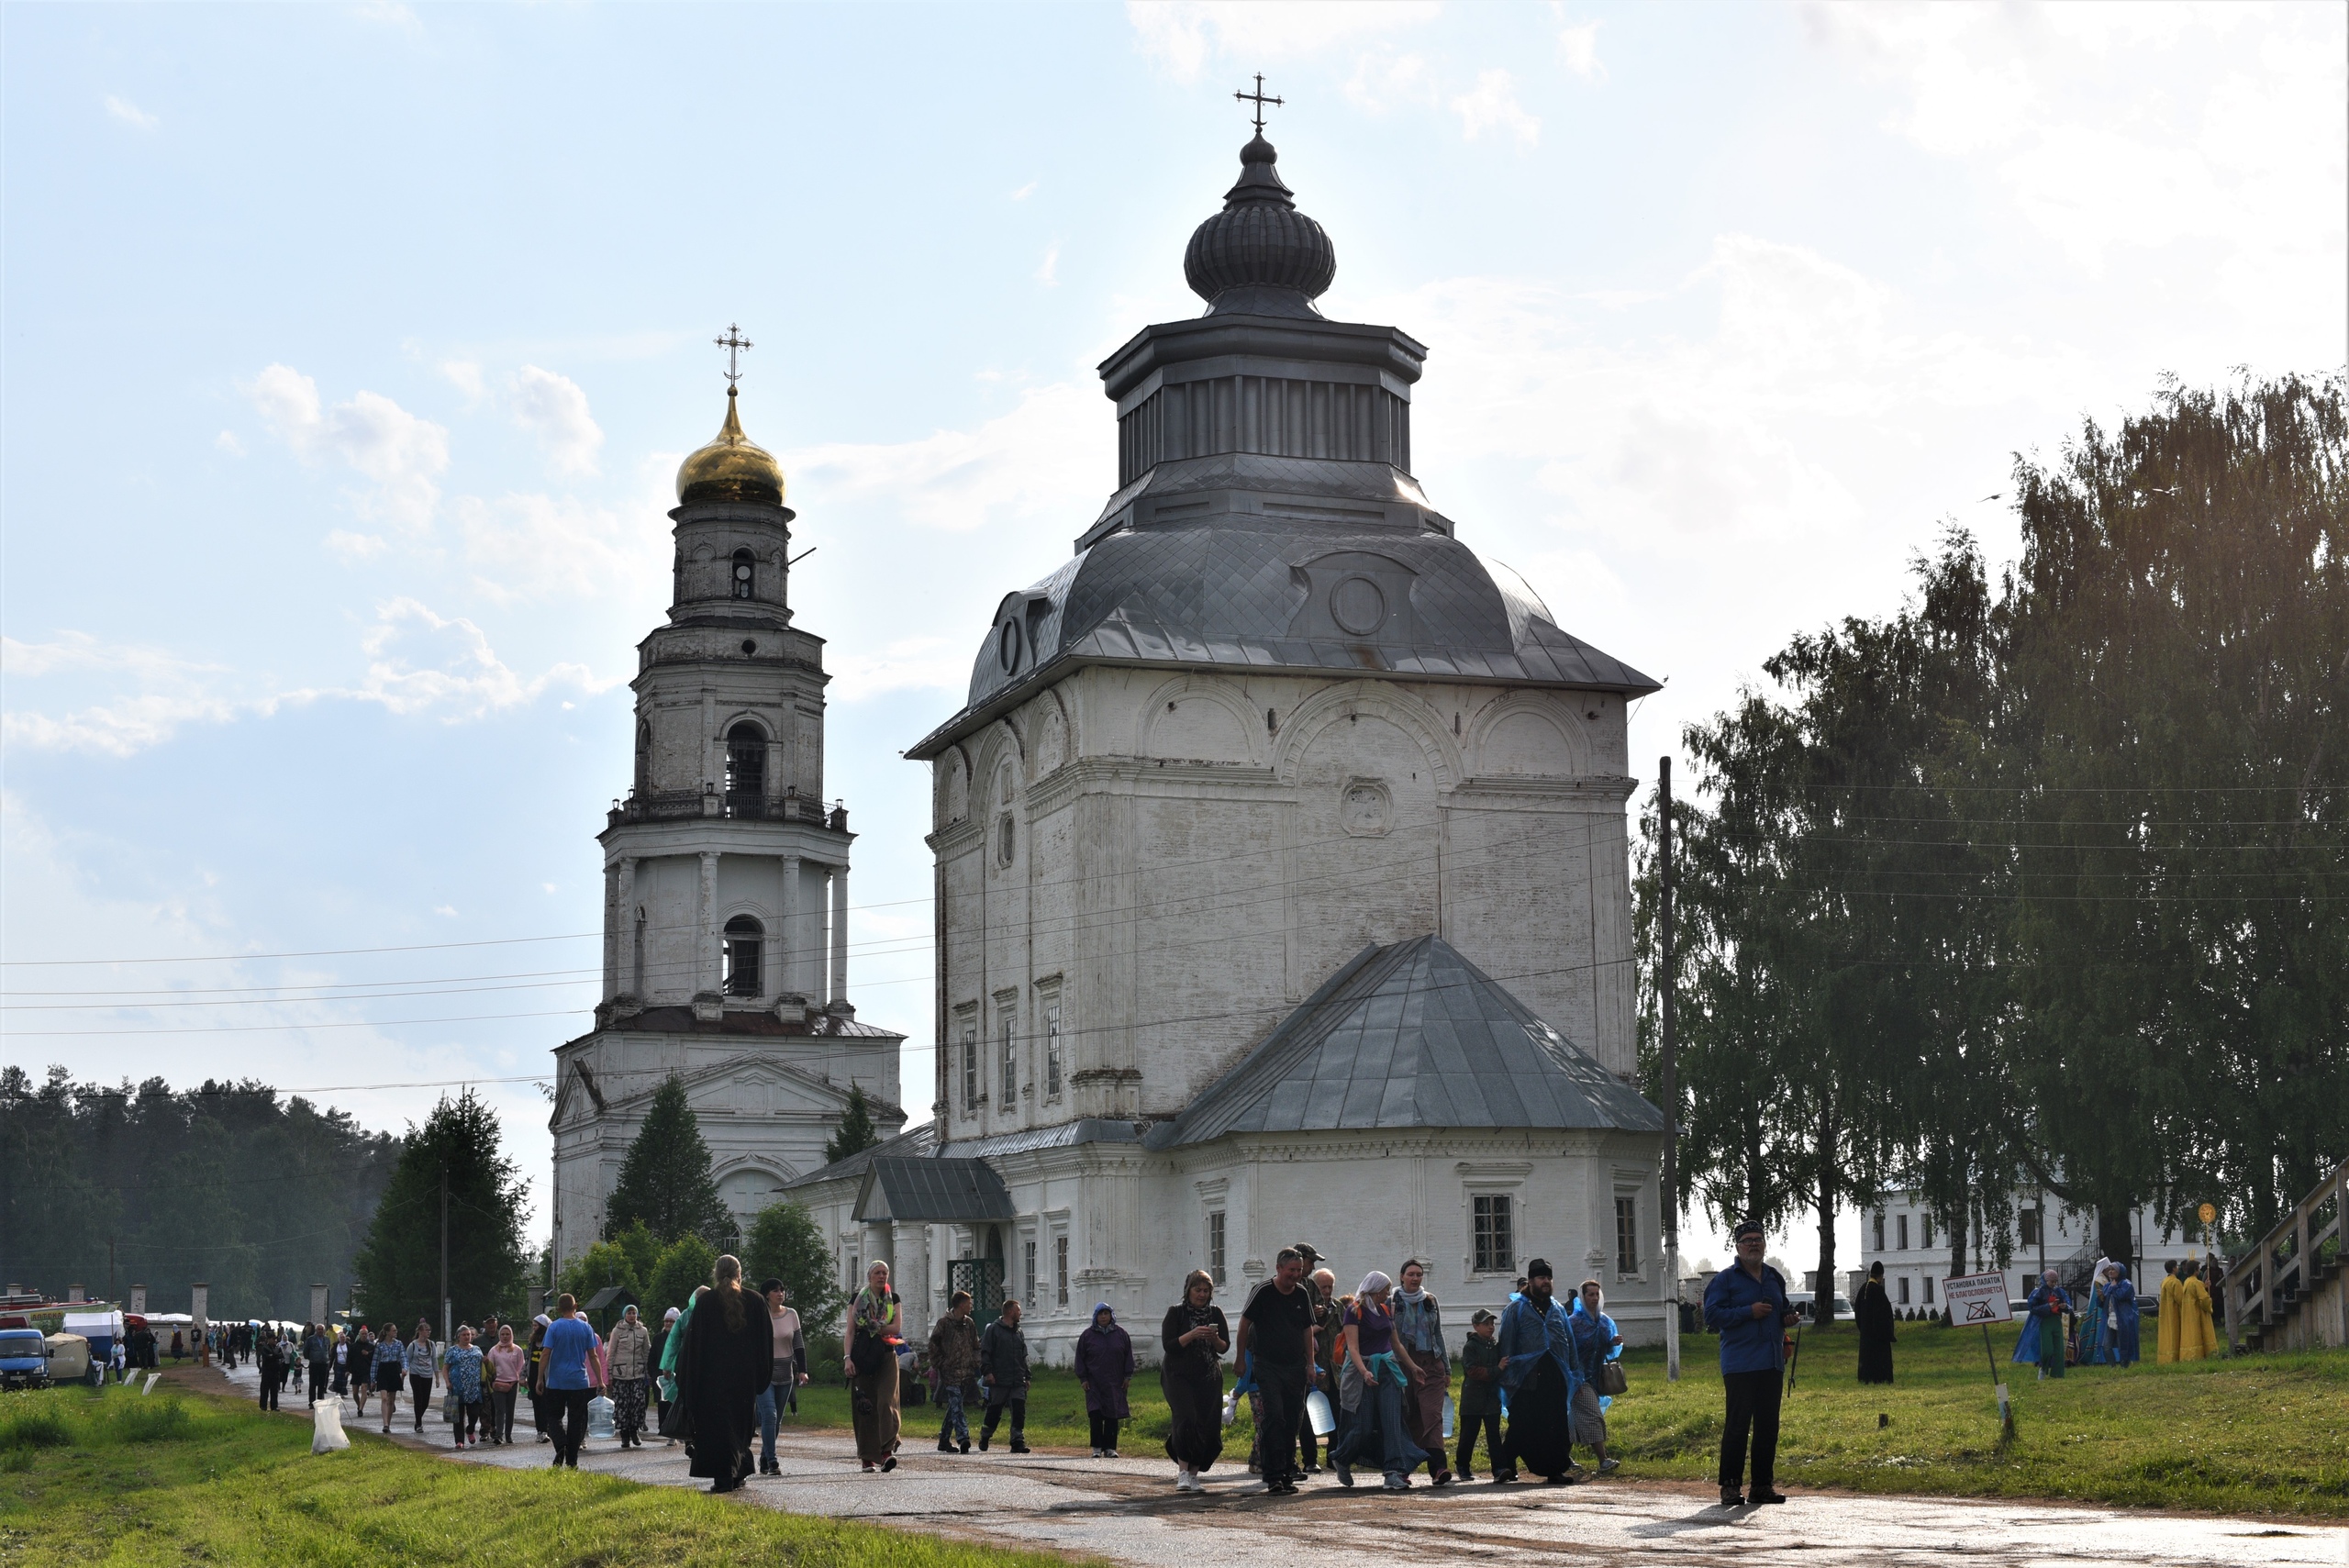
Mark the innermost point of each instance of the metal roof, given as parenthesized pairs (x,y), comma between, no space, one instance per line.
(933,1192)
(1410,1035)
(1059,1135)
(915,1143)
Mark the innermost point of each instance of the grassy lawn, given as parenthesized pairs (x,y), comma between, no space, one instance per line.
(115,1478)
(2261,1434)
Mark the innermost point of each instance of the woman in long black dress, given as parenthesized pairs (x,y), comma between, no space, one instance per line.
(728,1359)
(1873,1310)
(1194,1337)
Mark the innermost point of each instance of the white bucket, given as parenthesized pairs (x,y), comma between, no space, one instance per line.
(1317,1411)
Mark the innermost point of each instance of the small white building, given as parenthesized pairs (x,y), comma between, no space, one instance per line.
(1903,1235)
(1283,875)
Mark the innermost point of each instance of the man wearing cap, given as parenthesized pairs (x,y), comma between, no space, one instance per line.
(1746,1306)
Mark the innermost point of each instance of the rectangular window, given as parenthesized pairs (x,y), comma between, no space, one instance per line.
(1060,1270)
(853,1281)
(1903,1232)
(1007,1068)
(1493,1241)
(1904,1290)
(1928,1290)
(1028,1272)
(1927,1221)
(1052,1045)
(970,1064)
(1627,1237)
(2027,1224)
(1215,1246)
(1879,1231)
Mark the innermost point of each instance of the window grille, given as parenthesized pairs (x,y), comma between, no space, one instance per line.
(1060,1270)
(1627,1236)
(1215,1246)
(1493,1242)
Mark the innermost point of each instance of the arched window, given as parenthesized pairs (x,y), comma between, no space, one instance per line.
(746,574)
(744,944)
(643,758)
(746,770)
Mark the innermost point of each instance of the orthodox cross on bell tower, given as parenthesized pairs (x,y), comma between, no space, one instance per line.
(1259,99)
(733,343)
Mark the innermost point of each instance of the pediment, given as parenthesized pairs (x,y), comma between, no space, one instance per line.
(749,1085)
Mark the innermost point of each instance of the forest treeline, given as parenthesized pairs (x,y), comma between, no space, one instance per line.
(257,1196)
(2041,883)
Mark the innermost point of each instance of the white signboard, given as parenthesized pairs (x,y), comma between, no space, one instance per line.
(1977,1299)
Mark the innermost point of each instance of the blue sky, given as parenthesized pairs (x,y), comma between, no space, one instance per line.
(349,350)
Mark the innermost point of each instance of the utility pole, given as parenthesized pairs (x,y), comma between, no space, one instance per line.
(1668,972)
(448,1331)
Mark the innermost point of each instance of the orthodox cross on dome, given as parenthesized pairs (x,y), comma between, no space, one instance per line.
(1259,99)
(733,343)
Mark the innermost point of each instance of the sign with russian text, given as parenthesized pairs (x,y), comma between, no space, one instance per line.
(1977,1298)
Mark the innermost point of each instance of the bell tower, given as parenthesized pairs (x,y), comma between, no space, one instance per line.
(725,874)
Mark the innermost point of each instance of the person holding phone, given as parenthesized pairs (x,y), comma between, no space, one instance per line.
(1746,1306)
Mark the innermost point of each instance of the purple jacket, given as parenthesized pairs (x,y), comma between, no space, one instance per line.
(1105,1358)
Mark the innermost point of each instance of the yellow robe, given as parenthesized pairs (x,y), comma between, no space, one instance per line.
(2166,1327)
(2196,1338)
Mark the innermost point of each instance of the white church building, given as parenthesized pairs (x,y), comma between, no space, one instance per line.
(725,879)
(1283,875)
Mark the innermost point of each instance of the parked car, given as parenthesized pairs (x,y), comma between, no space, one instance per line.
(1801,1300)
(24,1359)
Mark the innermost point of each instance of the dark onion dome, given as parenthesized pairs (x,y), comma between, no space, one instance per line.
(1260,255)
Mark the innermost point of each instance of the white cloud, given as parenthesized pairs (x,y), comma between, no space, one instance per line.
(1182,36)
(448,911)
(1578,50)
(1048,271)
(1492,104)
(129,113)
(420,662)
(228,442)
(1382,81)
(404,455)
(910,664)
(353,548)
(527,546)
(1024,191)
(172,691)
(2119,125)
(553,408)
(1049,454)
(465,375)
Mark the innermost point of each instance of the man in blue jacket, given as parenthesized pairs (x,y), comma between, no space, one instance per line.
(1746,1306)
(1537,1383)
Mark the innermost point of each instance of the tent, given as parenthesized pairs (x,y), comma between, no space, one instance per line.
(101,1329)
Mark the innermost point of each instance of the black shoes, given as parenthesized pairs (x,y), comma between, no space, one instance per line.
(984,1438)
(965,1447)
(1732,1499)
(945,1447)
(1769,1498)
(1017,1446)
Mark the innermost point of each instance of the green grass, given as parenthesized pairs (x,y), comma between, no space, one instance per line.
(2258,1434)
(115,1478)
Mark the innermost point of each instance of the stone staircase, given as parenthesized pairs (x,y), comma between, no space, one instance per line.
(2289,1292)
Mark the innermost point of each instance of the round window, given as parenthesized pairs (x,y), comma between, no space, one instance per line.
(1007,645)
(1358,606)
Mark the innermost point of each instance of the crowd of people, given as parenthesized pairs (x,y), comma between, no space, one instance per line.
(2102,1328)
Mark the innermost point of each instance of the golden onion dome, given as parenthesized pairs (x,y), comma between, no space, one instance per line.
(731,468)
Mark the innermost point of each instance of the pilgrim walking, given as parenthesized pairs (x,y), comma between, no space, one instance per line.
(1190,1372)
(1105,1367)
(1873,1310)
(1003,1372)
(729,1358)
(875,1335)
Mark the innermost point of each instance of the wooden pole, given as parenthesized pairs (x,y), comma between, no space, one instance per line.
(1666,984)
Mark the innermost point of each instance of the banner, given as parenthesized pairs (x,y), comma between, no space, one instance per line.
(138,1298)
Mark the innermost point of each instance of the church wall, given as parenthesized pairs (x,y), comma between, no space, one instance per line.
(1241,837)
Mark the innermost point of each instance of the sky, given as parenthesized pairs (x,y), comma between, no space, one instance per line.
(348,352)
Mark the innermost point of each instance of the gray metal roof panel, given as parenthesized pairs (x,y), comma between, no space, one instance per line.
(1410,1035)
(934,1191)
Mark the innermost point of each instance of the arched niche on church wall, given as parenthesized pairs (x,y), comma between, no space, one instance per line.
(1198,718)
(750,1184)
(1054,745)
(1367,777)
(1356,701)
(1529,735)
(953,786)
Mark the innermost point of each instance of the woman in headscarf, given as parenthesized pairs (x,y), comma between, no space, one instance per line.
(2042,1341)
(630,1354)
(1194,1338)
(665,1376)
(1384,1366)
(875,1334)
(2120,1316)
(1873,1310)
(2197,1339)
(727,1358)
(1105,1364)
(2095,1346)
(671,1356)
(1418,1328)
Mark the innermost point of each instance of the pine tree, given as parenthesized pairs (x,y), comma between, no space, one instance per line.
(665,1180)
(856,1133)
(398,1266)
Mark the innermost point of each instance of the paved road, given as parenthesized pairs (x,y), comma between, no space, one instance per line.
(1127,1510)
